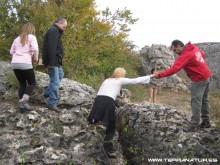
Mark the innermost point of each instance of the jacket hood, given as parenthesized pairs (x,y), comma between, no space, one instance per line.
(189,46)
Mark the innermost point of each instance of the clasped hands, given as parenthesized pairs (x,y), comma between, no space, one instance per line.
(155,75)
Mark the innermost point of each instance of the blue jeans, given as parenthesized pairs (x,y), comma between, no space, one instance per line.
(56,74)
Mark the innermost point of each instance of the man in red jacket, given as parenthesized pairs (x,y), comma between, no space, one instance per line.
(191,59)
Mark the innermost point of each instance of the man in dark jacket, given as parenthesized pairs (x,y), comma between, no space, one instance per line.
(192,60)
(52,59)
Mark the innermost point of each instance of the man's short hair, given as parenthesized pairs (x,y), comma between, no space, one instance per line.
(60,20)
(177,42)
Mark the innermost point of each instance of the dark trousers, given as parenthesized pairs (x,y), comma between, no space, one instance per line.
(24,77)
(109,134)
(199,102)
(104,110)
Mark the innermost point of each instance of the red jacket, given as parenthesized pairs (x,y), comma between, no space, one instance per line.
(193,63)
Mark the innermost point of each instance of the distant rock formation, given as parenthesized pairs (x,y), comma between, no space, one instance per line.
(212,50)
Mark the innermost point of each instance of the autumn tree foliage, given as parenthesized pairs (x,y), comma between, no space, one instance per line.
(95,42)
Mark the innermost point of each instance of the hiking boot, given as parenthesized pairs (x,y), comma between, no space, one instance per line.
(55,109)
(23,105)
(110,151)
(205,124)
(112,154)
(192,128)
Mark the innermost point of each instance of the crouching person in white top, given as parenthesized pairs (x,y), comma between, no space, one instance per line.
(104,105)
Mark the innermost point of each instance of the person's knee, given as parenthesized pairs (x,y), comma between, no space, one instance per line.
(55,83)
(54,87)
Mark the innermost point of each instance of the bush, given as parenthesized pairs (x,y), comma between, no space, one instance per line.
(12,81)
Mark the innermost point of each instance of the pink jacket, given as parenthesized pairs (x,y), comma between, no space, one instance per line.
(24,54)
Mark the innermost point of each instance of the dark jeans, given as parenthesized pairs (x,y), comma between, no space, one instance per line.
(24,77)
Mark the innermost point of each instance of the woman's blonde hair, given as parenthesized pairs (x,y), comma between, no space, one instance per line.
(27,29)
(119,72)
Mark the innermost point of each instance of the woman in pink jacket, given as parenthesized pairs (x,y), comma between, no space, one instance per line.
(24,51)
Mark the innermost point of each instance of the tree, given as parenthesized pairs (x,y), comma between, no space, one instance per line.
(94,42)
(8,30)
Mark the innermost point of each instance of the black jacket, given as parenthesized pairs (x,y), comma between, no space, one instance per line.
(53,47)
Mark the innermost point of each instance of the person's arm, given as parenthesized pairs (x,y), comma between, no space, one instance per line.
(179,63)
(12,50)
(34,48)
(138,80)
(53,37)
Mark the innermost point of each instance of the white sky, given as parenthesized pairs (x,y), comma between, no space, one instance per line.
(162,21)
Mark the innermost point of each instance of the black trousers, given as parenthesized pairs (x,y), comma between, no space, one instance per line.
(25,77)
(109,134)
(104,110)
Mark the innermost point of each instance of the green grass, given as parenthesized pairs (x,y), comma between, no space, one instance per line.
(12,81)
(139,93)
(214,98)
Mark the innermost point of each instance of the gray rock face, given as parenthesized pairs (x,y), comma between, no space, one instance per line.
(155,131)
(212,51)
(41,136)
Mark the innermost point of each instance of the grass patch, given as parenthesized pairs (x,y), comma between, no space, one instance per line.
(214,98)
(139,93)
(12,81)
(57,126)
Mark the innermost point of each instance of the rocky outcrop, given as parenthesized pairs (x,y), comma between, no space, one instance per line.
(154,131)
(44,137)
(41,136)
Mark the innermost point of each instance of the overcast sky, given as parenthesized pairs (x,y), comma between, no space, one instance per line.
(162,21)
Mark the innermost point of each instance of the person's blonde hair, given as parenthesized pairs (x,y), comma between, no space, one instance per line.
(27,29)
(119,72)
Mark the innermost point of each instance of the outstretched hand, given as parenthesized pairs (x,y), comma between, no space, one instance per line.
(156,75)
